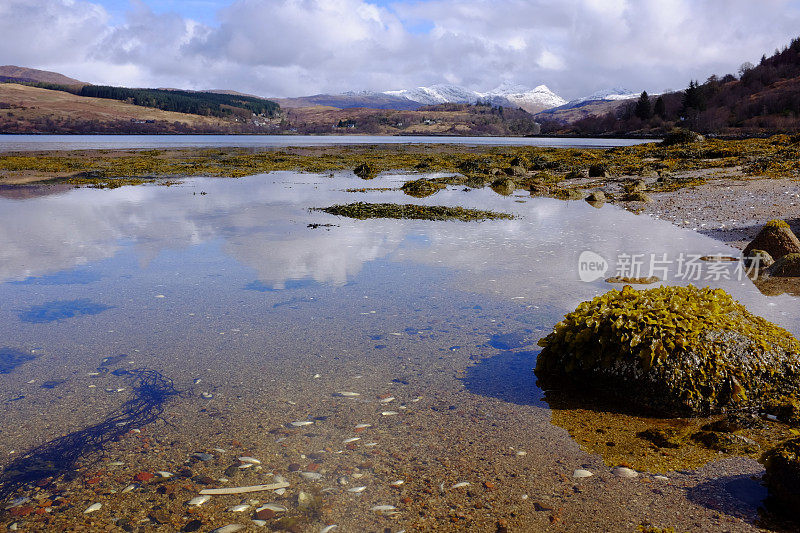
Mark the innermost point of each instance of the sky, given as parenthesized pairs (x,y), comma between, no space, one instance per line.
(279,48)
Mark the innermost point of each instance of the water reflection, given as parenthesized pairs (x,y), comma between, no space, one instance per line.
(262,223)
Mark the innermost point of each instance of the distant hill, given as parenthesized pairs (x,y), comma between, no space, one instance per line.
(30,75)
(351,99)
(763,99)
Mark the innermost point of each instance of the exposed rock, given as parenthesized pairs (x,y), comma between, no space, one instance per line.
(681,136)
(365,171)
(783,476)
(504,186)
(637,196)
(672,350)
(422,187)
(787,266)
(775,238)
(516,170)
(597,197)
(599,170)
(757,261)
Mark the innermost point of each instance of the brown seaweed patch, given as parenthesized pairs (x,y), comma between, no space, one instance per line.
(633,281)
(660,445)
(363,211)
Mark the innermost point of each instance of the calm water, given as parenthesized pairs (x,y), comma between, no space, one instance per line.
(10,143)
(221,285)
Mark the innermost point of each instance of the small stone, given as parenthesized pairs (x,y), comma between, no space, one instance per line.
(144,476)
(624,472)
(193,525)
(92,508)
(203,456)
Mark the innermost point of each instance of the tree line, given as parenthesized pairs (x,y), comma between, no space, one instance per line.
(763,98)
(195,103)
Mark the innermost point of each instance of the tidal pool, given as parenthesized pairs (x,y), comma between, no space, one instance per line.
(260,318)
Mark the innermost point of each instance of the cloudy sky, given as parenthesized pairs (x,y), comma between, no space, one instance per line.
(301,47)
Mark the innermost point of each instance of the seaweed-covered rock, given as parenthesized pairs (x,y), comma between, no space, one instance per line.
(598,170)
(673,350)
(422,187)
(681,136)
(365,171)
(776,238)
(637,196)
(504,186)
(758,260)
(783,476)
(787,266)
(596,198)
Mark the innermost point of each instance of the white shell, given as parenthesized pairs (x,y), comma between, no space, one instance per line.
(625,472)
(348,394)
(250,460)
(461,484)
(198,500)
(328,529)
(580,472)
(274,507)
(94,507)
(242,507)
(357,489)
(301,423)
(383,508)
(351,439)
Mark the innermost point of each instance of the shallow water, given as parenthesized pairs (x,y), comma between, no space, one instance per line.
(10,143)
(223,281)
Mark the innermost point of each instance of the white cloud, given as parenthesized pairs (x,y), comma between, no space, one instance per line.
(295,47)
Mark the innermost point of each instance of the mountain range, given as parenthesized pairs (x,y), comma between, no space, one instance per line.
(507,94)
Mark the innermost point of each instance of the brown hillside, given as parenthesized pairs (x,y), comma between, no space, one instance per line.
(21,105)
(11,71)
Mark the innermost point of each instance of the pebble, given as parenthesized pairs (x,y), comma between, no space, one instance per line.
(461,484)
(202,456)
(207,396)
(348,394)
(164,474)
(242,507)
(230,528)
(274,507)
(351,439)
(383,508)
(259,523)
(357,489)
(301,423)
(94,507)
(313,476)
(249,460)
(363,426)
(132,486)
(580,472)
(397,483)
(328,529)
(390,413)
(198,500)
(625,472)
(661,478)
(387,400)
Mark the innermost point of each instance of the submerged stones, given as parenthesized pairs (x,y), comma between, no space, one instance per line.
(672,350)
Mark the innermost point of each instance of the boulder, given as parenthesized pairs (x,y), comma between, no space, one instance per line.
(671,350)
(757,261)
(787,266)
(782,477)
(681,136)
(422,187)
(504,186)
(598,170)
(596,198)
(365,171)
(775,238)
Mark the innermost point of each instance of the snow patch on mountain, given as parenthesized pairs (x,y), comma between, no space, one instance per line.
(532,100)
(603,95)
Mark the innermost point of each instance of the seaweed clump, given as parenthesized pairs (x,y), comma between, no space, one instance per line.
(363,211)
(671,350)
(420,188)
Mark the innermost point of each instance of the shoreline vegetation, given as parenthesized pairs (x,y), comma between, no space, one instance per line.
(651,167)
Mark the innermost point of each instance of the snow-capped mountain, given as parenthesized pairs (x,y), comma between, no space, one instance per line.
(603,95)
(531,100)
